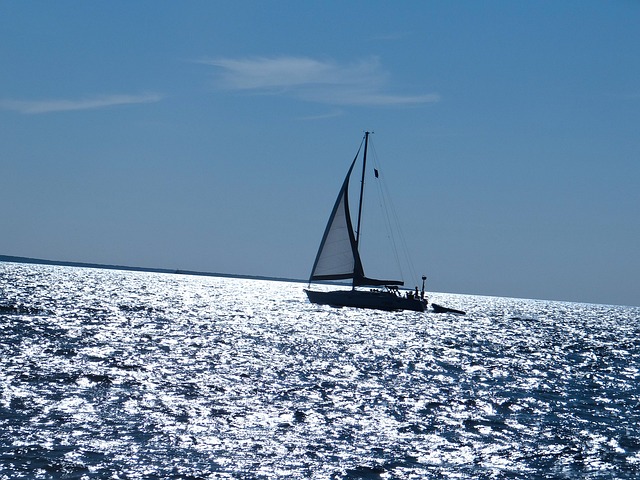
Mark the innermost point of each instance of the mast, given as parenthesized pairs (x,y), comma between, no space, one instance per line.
(364,167)
(338,257)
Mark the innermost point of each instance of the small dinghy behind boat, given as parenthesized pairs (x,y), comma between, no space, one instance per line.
(440,309)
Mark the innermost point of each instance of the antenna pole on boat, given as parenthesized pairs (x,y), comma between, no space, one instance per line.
(424,278)
(364,166)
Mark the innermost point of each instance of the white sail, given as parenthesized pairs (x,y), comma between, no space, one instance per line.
(338,257)
(337,254)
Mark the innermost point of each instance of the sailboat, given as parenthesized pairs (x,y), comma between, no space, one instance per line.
(338,258)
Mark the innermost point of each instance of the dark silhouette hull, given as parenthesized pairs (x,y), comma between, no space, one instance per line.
(440,309)
(375,299)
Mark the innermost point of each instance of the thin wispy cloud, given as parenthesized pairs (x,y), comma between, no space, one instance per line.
(87,103)
(323,116)
(324,81)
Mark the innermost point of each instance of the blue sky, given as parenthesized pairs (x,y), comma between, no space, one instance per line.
(214,136)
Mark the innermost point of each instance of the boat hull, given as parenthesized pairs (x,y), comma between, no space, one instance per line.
(375,299)
(440,309)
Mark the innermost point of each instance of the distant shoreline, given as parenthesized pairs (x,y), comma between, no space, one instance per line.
(40,261)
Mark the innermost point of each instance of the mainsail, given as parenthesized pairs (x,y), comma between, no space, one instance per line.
(338,257)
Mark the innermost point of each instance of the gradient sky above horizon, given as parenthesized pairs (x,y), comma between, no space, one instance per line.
(214,136)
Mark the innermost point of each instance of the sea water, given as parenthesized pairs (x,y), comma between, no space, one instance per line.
(133,375)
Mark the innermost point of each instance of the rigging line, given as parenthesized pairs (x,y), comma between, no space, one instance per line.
(390,233)
(393,230)
(403,240)
(389,206)
(384,206)
(380,184)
